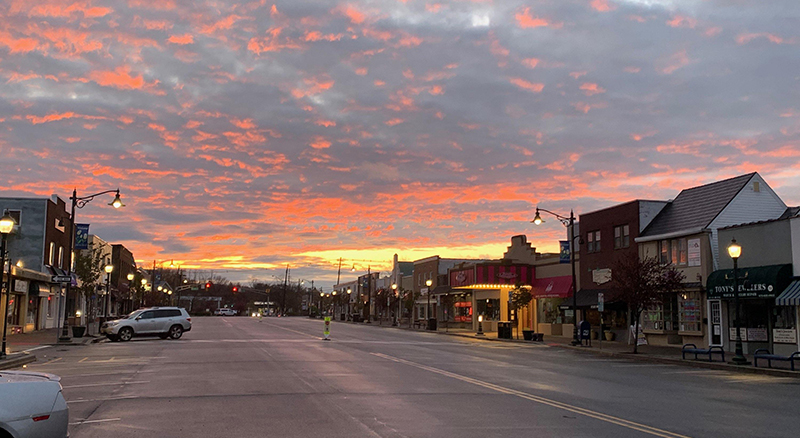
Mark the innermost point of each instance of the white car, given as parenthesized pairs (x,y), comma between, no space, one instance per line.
(225,312)
(164,322)
(31,405)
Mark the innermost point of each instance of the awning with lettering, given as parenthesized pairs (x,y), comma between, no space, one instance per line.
(553,287)
(791,295)
(759,282)
(588,298)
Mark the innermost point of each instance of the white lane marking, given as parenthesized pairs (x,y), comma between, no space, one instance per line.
(106,384)
(542,400)
(102,399)
(105,420)
(116,373)
(36,348)
(308,341)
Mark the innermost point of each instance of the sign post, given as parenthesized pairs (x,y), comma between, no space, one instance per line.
(327,331)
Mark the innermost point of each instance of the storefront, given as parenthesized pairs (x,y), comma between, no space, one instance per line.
(763,323)
(611,322)
(489,286)
(677,319)
(549,294)
(788,302)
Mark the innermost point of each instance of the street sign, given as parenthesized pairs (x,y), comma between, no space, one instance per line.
(327,331)
(61,279)
(601,302)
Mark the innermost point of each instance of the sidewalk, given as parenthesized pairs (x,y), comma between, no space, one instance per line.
(20,346)
(622,350)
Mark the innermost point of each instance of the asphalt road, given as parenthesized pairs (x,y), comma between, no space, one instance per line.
(240,377)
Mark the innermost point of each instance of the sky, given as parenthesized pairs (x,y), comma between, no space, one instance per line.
(248,136)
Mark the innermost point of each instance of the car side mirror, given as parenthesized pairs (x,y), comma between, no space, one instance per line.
(138,318)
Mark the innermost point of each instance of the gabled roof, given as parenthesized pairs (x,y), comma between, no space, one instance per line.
(696,208)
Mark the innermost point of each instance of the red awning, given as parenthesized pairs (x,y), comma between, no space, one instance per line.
(553,287)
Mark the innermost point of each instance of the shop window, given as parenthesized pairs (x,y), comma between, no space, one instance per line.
(690,312)
(549,311)
(490,309)
(662,316)
(622,237)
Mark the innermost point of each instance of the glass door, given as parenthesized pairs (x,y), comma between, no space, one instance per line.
(715,323)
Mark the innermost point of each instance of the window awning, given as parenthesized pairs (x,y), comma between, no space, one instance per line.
(588,298)
(791,295)
(553,287)
(758,282)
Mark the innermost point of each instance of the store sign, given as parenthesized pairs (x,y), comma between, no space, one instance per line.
(760,290)
(742,332)
(694,252)
(757,335)
(21,286)
(600,276)
(601,302)
(784,336)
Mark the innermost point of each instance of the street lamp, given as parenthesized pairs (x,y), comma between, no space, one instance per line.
(735,251)
(396,320)
(79,203)
(480,326)
(570,223)
(428,283)
(6,225)
(109,268)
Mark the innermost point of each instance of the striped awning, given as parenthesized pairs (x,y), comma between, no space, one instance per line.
(791,295)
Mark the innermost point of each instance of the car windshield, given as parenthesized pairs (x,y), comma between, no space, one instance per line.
(132,315)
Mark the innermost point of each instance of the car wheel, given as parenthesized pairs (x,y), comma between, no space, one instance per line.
(163,335)
(125,334)
(175,332)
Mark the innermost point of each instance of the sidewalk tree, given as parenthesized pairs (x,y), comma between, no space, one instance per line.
(641,283)
(89,270)
(520,298)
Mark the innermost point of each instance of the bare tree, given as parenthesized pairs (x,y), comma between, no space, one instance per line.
(641,283)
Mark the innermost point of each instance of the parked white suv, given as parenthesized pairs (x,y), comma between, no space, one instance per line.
(163,322)
(224,312)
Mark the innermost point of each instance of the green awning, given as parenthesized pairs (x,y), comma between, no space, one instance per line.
(756,282)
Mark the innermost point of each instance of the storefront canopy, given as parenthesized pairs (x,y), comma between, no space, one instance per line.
(588,298)
(756,282)
(791,295)
(553,287)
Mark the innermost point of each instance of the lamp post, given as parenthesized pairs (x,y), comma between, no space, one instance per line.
(396,320)
(6,225)
(570,223)
(428,283)
(144,289)
(735,251)
(480,326)
(131,289)
(79,203)
(109,268)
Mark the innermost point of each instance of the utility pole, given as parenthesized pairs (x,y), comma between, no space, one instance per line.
(285,285)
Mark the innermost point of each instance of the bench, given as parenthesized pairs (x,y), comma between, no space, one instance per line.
(421,323)
(763,353)
(692,349)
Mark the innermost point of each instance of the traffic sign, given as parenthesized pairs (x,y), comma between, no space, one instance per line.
(61,279)
(601,302)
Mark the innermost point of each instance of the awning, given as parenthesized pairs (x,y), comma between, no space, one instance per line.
(791,295)
(588,298)
(758,282)
(553,287)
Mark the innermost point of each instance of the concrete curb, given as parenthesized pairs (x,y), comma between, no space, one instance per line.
(776,372)
(16,361)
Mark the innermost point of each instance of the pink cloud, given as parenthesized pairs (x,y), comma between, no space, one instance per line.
(526,20)
(533,87)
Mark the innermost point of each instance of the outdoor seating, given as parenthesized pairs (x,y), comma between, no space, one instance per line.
(763,353)
(692,349)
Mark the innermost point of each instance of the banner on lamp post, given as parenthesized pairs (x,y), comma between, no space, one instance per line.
(564,251)
(81,236)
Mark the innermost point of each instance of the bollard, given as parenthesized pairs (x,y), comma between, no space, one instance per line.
(327,332)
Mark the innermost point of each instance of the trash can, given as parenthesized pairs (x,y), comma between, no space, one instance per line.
(504,330)
(432,324)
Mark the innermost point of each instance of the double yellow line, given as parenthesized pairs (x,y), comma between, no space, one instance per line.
(545,401)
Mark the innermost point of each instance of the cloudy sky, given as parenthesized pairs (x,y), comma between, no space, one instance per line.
(248,135)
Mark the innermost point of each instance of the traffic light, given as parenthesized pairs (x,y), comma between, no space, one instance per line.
(236,289)
(208,285)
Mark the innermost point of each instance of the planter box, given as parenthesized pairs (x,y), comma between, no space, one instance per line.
(78,331)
